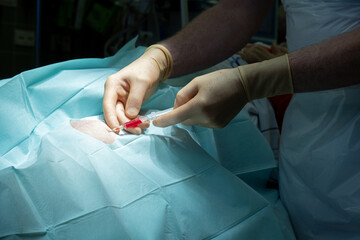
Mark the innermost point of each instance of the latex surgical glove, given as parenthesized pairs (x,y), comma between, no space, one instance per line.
(214,99)
(126,90)
(210,100)
(279,50)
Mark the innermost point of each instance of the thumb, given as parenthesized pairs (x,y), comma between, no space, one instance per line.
(135,99)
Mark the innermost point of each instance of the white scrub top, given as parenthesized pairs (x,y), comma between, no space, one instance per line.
(320,142)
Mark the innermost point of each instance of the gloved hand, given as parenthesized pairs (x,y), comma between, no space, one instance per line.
(253,53)
(214,99)
(128,89)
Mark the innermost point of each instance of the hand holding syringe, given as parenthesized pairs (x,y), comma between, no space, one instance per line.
(140,120)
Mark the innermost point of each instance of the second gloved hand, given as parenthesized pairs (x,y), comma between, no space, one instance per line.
(211,100)
(214,99)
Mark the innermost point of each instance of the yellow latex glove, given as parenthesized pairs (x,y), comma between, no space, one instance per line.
(214,99)
(126,90)
(268,78)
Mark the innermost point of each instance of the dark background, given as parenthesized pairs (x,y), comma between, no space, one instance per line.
(35,33)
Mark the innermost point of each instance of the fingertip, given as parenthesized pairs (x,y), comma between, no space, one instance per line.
(110,112)
(132,112)
(144,125)
(161,121)
(136,130)
(111,121)
(156,123)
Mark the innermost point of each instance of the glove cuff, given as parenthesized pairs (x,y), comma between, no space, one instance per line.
(165,62)
(268,78)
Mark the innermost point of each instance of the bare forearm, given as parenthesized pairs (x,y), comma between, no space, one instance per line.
(215,34)
(330,64)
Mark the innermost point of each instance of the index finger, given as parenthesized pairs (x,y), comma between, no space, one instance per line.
(178,115)
(109,107)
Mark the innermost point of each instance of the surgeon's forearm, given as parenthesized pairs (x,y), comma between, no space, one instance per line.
(330,64)
(215,34)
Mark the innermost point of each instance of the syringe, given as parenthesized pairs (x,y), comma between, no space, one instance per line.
(143,119)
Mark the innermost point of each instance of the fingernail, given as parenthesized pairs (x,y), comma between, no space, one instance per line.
(156,123)
(138,131)
(132,111)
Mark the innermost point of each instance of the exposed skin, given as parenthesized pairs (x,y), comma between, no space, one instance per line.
(96,129)
(211,38)
(327,65)
(216,34)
